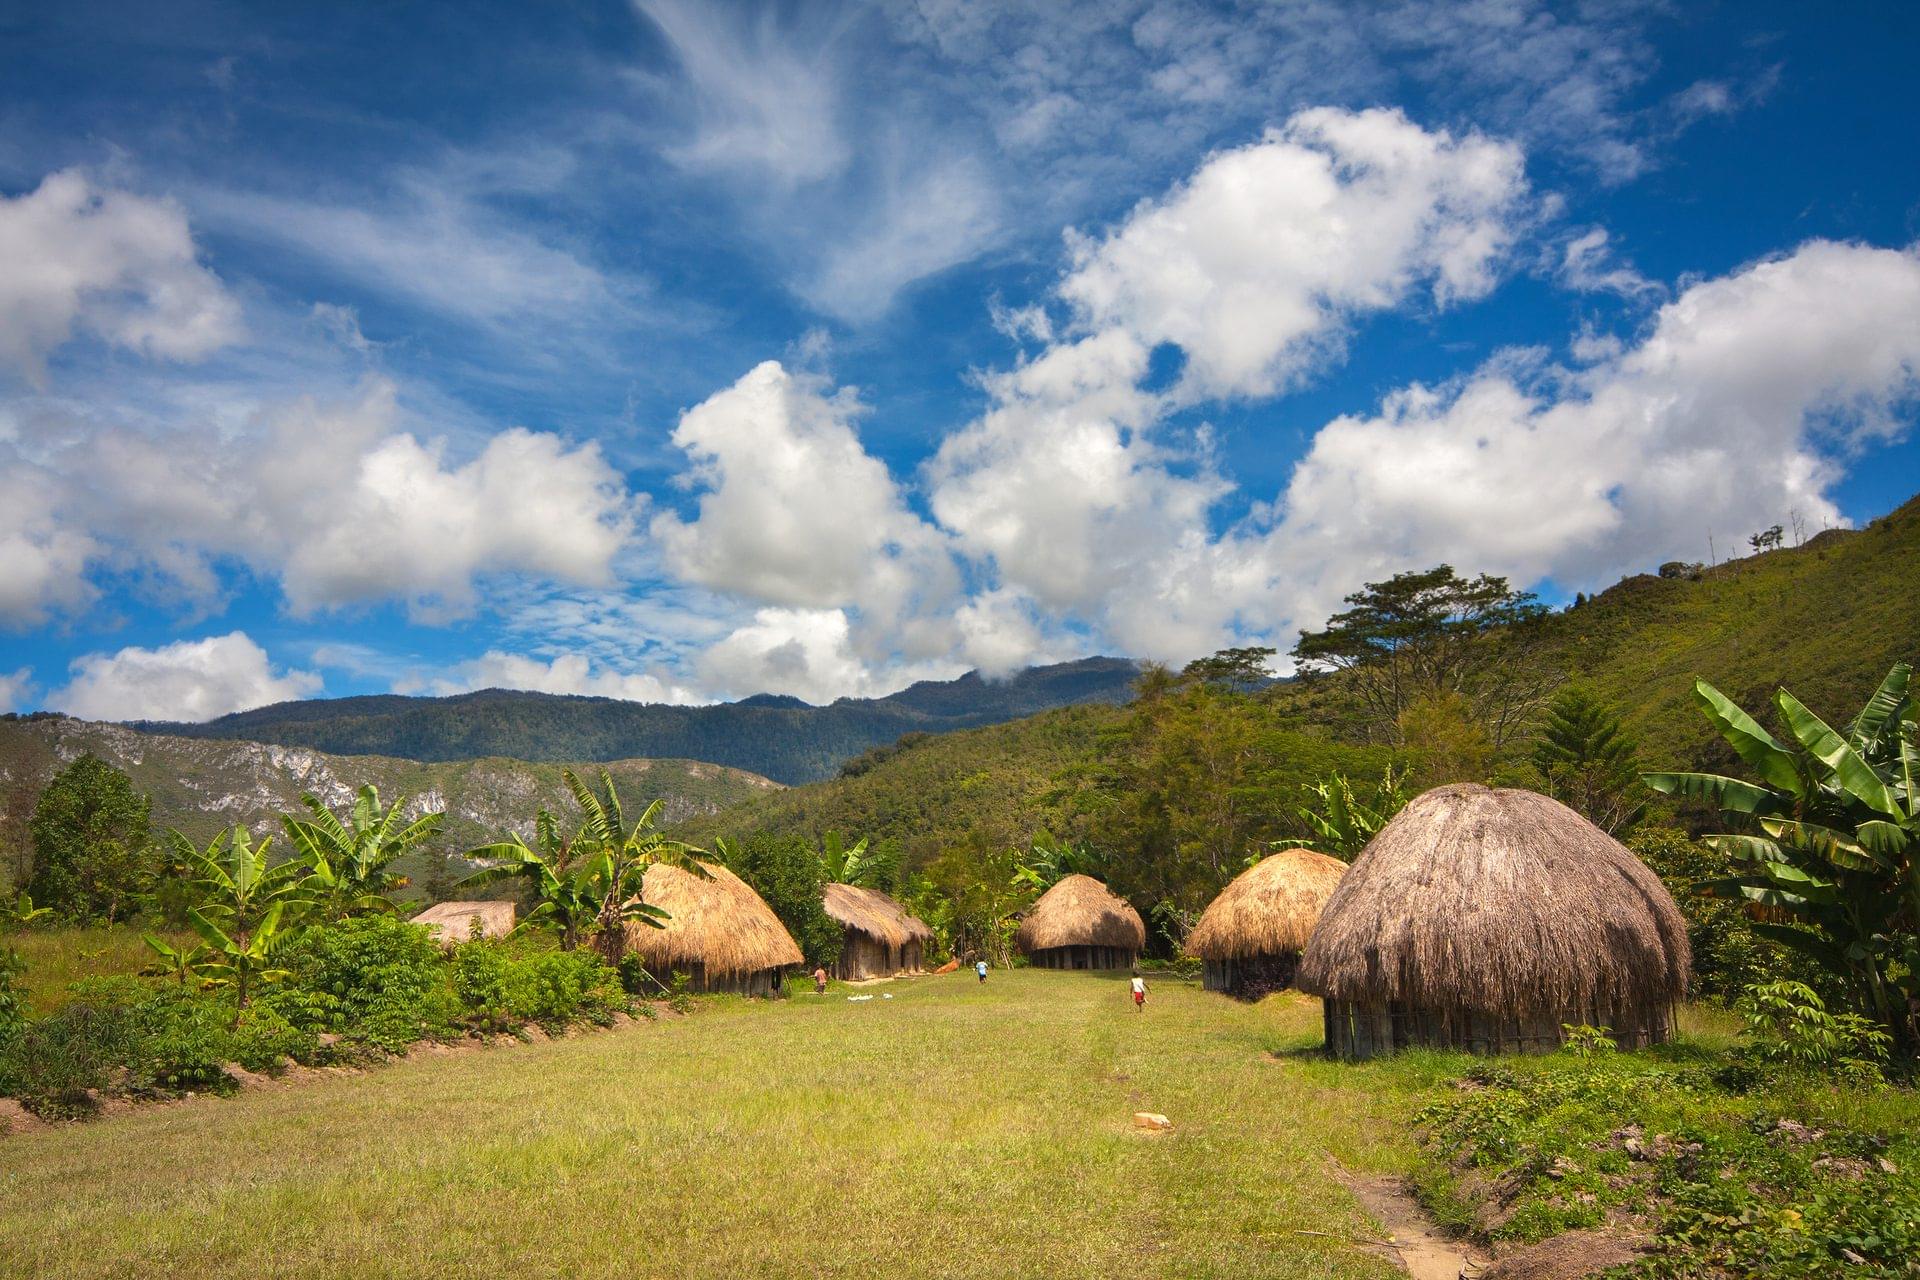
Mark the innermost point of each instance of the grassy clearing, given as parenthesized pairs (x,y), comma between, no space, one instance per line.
(973,1130)
(59,956)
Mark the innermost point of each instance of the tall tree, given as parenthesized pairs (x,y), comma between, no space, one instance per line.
(1429,634)
(1585,759)
(1241,669)
(786,872)
(93,850)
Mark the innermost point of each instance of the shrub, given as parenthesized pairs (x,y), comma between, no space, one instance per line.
(500,981)
(370,978)
(1727,953)
(13,1001)
(1788,1022)
(54,1062)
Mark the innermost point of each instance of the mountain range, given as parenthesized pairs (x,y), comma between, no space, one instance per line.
(781,738)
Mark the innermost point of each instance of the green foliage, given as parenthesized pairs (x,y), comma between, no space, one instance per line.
(871,866)
(506,983)
(1433,636)
(21,913)
(1789,1022)
(1839,849)
(1731,1187)
(591,883)
(54,1062)
(350,863)
(1446,743)
(1240,669)
(93,853)
(786,871)
(248,910)
(1343,820)
(1584,758)
(971,896)
(1587,1043)
(1051,860)
(13,1003)
(1728,955)
(370,978)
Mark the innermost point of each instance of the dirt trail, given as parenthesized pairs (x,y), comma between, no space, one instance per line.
(1412,1240)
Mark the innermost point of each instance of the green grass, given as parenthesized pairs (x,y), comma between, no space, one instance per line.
(62,955)
(955,1130)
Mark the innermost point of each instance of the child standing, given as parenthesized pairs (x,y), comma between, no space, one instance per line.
(1139,993)
(980,967)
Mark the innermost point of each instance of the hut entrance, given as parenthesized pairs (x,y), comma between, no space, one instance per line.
(1252,977)
(1085,957)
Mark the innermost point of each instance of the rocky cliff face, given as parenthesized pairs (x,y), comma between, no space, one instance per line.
(201,785)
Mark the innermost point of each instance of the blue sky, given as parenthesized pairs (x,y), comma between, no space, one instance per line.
(681,351)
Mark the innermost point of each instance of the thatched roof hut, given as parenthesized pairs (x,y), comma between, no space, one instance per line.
(1081,924)
(452,922)
(881,940)
(721,933)
(1251,936)
(1485,919)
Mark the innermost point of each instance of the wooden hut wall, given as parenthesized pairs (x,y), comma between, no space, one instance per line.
(864,956)
(1085,957)
(1251,977)
(759,982)
(1367,1031)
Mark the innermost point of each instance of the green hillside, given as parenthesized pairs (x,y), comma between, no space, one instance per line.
(1827,619)
(201,786)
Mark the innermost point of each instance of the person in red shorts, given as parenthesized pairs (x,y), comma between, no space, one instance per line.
(1139,992)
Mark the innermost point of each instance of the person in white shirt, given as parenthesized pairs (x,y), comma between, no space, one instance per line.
(1139,993)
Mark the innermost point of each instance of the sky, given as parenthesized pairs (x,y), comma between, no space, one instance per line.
(683,351)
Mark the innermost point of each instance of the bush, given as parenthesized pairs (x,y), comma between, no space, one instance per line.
(501,981)
(370,978)
(1788,1022)
(785,871)
(1727,954)
(13,1001)
(52,1063)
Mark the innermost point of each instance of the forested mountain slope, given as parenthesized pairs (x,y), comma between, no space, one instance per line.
(780,738)
(1826,619)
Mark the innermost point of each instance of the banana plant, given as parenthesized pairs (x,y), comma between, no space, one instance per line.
(351,862)
(858,864)
(590,884)
(1341,821)
(178,963)
(243,960)
(1050,860)
(1831,832)
(22,912)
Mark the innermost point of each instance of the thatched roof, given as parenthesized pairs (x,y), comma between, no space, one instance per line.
(1501,902)
(1079,911)
(1269,909)
(720,924)
(453,921)
(875,914)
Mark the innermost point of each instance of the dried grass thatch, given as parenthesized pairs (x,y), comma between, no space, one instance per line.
(719,924)
(1079,911)
(1269,909)
(1504,904)
(874,914)
(452,922)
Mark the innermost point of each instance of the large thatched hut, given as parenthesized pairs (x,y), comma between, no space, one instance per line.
(452,922)
(881,938)
(1252,935)
(1080,924)
(1485,919)
(720,933)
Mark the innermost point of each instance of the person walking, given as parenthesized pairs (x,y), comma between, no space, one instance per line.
(980,967)
(1139,992)
(820,980)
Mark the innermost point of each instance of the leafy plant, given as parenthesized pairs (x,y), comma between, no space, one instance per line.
(13,1005)
(591,884)
(179,963)
(1343,820)
(93,853)
(1588,1043)
(21,912)
(1050,860)
(1789,1022)
(869,866)
(1839,823)
(248,909)
(351,862)
(373,979)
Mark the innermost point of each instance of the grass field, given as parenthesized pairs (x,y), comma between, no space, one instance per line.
(954,1130)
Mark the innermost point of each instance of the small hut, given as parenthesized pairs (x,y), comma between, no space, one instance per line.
(452,922)
(1485,919)
(720,933)
(1252,935)
(881,939)
(1080,924)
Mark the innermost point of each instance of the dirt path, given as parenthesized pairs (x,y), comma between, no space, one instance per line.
(1412,1240)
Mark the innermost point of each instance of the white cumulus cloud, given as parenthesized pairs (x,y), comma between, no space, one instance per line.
(119,265)
(567,673)
(186,680)
(16,688)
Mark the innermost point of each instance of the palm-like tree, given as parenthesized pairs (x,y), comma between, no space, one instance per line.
(858,864)
(351,862)
(590,884)
(244,908)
